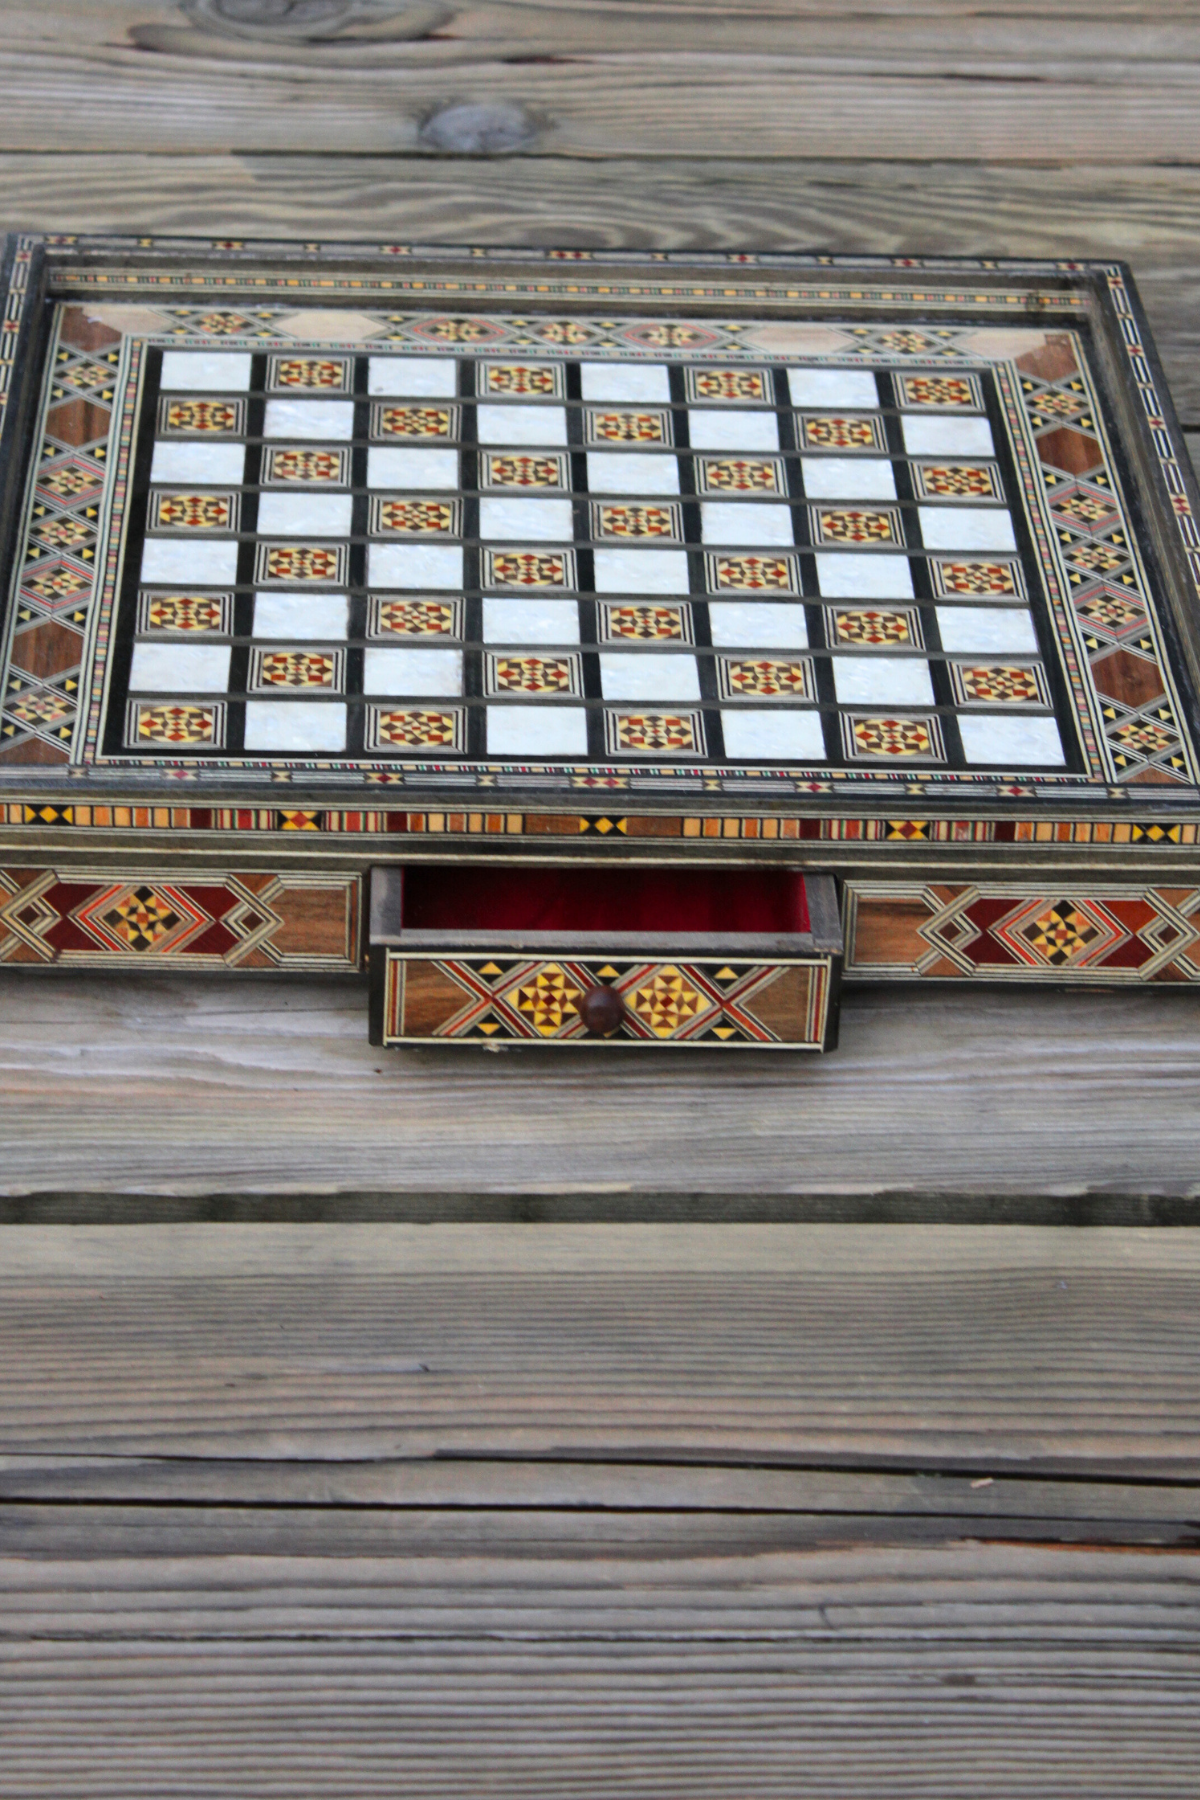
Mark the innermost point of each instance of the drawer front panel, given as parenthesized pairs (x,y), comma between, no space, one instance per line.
(251,919)
(703,1001)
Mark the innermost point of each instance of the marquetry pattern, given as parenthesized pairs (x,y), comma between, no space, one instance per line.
(1127,684)
(704,1001)
(247,920)
(1124,699)
(1075,932)
(1054,408)
(40,699)
(1121,833)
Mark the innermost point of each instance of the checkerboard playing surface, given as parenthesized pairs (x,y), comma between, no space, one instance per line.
(378,556)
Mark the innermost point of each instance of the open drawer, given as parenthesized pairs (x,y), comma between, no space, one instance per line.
(589,954)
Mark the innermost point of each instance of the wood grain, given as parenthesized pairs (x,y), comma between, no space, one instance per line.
(277,1525)
(259,1625)
(617,79)
(317,1590)
(204,1085)
(992,1350)
(947,1594)
(745,1720)
(992,1671)
(1155,29)
(688,102)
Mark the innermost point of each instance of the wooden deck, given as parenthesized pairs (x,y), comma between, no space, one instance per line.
(588,1493)
(597,1509)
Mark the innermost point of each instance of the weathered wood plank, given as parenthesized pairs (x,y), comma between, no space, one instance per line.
(1017,29)
(141,1254)
(1173,296)
(202,1085)
(986,1350)
(684,102)
(952,1592)
(912,1712)
(306,1576)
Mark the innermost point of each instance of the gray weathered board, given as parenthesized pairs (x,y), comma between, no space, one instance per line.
(596,1510)
(159,1096)
(590,1510)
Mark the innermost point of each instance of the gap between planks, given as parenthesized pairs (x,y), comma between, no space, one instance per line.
(62,1487)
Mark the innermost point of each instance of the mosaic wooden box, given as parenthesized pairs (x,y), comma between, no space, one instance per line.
(629,615)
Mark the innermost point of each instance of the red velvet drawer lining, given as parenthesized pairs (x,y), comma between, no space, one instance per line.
(591,899)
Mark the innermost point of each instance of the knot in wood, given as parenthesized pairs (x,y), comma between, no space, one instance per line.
(478,128)
(314,20)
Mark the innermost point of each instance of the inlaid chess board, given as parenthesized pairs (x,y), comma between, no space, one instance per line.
(554,560)
(887,570)
(413,546)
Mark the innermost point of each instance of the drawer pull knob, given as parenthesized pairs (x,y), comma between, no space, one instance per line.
(602,1010)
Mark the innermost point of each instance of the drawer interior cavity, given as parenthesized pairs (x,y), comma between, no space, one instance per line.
(450,898)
